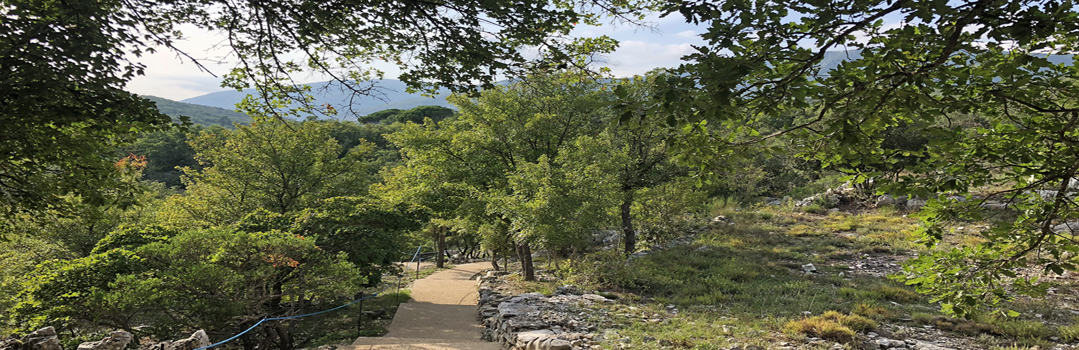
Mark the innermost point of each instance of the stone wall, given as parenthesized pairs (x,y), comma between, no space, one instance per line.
(533,321)
(46,339)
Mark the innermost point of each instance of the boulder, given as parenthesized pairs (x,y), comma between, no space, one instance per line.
(42,339)
(196,340)
(915,203)
(117,340)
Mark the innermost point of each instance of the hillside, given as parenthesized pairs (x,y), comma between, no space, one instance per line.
(394,96)
(199,114)
(391,96)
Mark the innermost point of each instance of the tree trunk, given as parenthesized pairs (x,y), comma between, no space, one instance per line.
(440,261)
(627,222)
(284,336)
(524,252)
(494,261)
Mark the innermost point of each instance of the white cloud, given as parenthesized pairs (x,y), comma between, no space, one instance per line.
(175,77)
(687,34)
(638,57)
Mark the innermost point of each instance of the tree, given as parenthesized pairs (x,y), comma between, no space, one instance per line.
(219,279)
(944,61)
(62,102)
(281,167)
(65,65)
(369,233)
(167,152)
(503,131)
(640,140)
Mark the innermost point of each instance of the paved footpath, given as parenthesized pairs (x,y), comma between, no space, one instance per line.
(441,315)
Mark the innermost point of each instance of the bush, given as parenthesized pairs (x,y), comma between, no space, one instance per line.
(832,325)
(1069,333)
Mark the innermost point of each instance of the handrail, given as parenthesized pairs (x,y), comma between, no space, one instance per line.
(414,256)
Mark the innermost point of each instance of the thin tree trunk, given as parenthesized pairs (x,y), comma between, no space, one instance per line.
(440,261)
(627,222)
(284,336)
(524,252)
(494,261)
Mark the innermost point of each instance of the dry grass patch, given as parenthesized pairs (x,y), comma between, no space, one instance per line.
(832,325)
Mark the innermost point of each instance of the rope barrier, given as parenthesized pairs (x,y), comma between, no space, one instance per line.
(310,314)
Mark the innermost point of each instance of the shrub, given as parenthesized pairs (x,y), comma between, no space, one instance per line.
(1069,333)
(832,325)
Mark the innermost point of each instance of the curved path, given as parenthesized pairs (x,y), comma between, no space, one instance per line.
(441,315)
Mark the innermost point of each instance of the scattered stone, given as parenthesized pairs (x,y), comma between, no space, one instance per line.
(915,203)
(568,289)
(196,340)
(117,340)
(890,343)
(809,268)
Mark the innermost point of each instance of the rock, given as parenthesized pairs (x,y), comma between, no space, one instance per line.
(809,268)
(1070,226)
(915,203)
(558,344)
(595,298)
(530,336)
(196,340)
(887,199)
(568,289)
(890,343)
(117,340)
(42,339)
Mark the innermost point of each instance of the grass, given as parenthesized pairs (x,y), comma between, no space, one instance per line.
(832,325)
(742,284)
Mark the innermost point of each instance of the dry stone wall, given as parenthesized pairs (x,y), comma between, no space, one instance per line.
(532,321)
(46,339)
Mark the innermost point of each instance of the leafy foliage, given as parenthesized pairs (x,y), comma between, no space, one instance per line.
(218,279)
(273,165)
(415,115)
(62,101)
(926,77)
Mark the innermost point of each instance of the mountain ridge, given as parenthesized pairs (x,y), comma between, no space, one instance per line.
(393,94)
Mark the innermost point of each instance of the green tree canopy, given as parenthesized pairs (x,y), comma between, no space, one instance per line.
(64,65)
(273,165)
(944,61)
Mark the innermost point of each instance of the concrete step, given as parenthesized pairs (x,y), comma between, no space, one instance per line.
(430,344)
(434,321)
(442,315)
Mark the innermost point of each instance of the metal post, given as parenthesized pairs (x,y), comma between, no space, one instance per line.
(418,267)
(397,297)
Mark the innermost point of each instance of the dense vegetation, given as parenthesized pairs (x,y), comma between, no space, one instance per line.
(115,219)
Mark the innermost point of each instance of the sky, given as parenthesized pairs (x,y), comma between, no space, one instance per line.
(174,77)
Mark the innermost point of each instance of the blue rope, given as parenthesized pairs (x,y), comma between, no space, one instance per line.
(305,315)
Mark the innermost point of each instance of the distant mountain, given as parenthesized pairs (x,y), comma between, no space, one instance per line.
(391,95)
(199,114)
